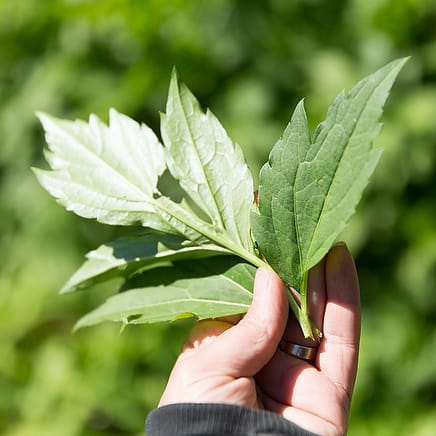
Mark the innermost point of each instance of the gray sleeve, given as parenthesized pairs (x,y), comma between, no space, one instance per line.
(209,419)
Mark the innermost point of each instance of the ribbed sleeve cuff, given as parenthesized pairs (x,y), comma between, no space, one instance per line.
(218,419)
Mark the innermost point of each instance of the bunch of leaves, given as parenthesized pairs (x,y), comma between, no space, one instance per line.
(202,244)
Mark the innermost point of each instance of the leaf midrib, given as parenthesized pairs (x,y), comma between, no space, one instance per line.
(336,167)
(187,299)
(191,136)
(238,285)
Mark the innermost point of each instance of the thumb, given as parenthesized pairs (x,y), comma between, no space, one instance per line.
(245,348)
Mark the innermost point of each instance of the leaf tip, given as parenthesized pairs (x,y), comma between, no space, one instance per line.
(174,82)
(40,174)
(174,90)
(40,114)
(301,103)
(44,118)
(78,325)
(67,288)
(398,64)
(300,111)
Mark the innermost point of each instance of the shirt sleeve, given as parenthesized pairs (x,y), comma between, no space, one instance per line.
(209,419)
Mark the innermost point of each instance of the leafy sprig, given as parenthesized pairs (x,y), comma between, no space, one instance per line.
(197,256)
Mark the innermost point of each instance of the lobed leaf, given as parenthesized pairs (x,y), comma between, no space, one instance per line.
(209,166)
(274,228)
(310,188)
(111,172)
(308,191)
(105,172)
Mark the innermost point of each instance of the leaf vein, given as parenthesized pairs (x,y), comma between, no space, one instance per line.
(217,213)
(338,162)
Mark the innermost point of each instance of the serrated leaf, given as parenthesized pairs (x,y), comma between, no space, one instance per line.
(111,172)
(222,288)
(310,188)
(128,255)
(105,172)
(209,166)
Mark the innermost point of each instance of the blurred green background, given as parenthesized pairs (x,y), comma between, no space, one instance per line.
(250,61)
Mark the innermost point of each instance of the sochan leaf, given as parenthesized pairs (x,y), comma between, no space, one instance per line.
(111,172)
(209,166)
(309,188)
(308,191)
(105,172)
(201,289)
(128,255)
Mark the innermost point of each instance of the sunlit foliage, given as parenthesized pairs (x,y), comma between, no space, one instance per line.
(251,61)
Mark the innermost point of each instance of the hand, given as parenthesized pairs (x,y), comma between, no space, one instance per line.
(241,364)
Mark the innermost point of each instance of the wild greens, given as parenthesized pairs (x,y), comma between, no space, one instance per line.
(197,255)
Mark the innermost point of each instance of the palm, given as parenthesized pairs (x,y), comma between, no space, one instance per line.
(241,365)
(318,396)
(310,399)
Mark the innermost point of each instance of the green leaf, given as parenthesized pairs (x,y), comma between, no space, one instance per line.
(213,288)
(105,172)
(310,188)
(128,255)
(274,229)
(111,172)
(209,166)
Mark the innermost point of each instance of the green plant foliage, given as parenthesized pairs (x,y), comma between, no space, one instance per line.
(251,61)
(310,188)
(126,256)
(206,290)
(307,193)
(210,168)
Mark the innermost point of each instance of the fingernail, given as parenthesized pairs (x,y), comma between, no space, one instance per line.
(338,256)
(340,244)
(261,283)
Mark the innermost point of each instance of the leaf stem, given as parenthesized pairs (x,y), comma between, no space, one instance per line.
(306,324)
(303,292)
(300,310)
(308,327)
(213,235)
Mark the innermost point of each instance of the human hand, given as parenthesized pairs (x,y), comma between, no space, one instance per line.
(241,364)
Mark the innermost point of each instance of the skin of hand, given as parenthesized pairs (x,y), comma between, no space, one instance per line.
(237,361)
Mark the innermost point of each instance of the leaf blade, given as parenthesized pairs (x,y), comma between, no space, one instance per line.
(128,255)
(358,116)
(209,166)
(275,227)
(90,167)
(226,292)
(313,186)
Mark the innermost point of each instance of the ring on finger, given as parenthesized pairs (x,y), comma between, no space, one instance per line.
(302,352)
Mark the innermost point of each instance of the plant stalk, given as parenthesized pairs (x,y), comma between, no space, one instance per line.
(300,310)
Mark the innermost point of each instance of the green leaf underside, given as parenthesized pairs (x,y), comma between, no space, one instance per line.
(209,294)
(209,166)
(105,172)
(310,188)
(110,173)
(128,255)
